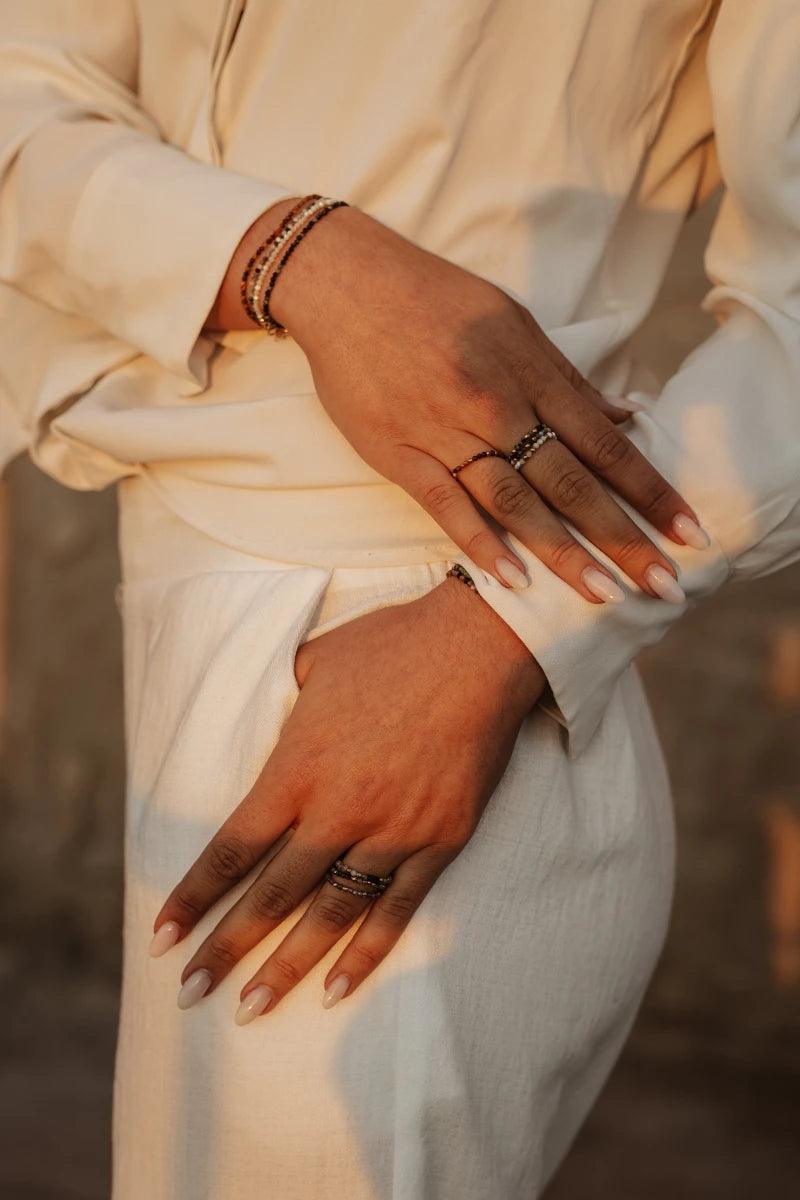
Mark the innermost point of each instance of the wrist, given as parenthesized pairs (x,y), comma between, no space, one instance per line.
(518,672)
(307,286)
(227,311)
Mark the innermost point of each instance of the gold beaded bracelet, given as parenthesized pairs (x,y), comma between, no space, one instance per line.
(274,248)
(287,220)
(260,277)
(268,322)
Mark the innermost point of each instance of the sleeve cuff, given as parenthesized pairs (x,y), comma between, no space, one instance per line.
(150,243)
(584,648)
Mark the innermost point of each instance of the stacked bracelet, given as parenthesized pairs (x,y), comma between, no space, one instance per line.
(261,272)
(269,241)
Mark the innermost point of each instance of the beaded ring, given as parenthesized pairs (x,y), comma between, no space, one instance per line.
(474,458)
(529,443)
(339,867)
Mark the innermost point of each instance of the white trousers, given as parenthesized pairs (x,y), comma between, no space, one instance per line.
(462,1068)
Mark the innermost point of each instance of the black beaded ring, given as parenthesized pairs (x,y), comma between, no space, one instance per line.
(339,867)
(474,458)
(529,443)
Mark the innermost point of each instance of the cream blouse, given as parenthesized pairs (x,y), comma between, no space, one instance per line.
(554,149)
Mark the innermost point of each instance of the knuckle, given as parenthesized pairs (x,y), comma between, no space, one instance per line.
(452,835)
(288,971)
(630,548)
(271,901)
(486,404)
(658,496)
(474,544)
(608,449)
(333,912)
(571,373)
(573,488)
(227,859)
(368,956)
(223,949)
(512,497)
(440,497)
(189,903)
(398,906)
(562,552)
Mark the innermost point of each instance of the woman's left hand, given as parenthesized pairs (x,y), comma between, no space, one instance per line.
(405,722)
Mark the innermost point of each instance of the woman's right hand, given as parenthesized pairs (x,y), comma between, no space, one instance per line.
(421,364)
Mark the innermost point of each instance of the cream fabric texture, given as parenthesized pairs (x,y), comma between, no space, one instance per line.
(553,149)
(464,1064)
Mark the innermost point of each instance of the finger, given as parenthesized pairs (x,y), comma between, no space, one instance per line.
(386,920)
(506,494)
(432,485)
(600,445)
(331,912)
(260,824)
(617,408)
(578,494)
(612,407)
(273,896)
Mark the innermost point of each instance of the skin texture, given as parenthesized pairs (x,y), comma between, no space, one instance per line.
(407,716)
(408,801)
(421,363)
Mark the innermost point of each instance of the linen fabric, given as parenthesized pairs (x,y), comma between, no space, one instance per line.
(553,149)
(467,1060)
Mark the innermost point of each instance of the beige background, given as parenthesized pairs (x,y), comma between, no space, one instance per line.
(703,1104)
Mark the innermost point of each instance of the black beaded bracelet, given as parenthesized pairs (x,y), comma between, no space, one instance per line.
(269,323)
(459,572)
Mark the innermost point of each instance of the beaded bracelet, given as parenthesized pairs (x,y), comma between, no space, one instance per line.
(287,220)
(268,322)
(459,572)
(274,246)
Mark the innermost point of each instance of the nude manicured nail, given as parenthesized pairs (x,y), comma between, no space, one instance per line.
(664,584)
(164,938)
(511,573)
(253,1004)
(195,988)
(336,990)
(602,586)
(625,403)
(693,534)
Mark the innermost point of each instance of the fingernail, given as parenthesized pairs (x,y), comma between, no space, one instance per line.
(665,584)
(164,938)
(335,992)
(253,1004)
(510,572)
(602,586)
(693,534)
(195,988)
(625,403)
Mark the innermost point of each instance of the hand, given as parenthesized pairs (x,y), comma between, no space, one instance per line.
(421,363)
(404,724)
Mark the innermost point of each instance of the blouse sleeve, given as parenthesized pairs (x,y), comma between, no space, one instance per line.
(726,427)
(100,218)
